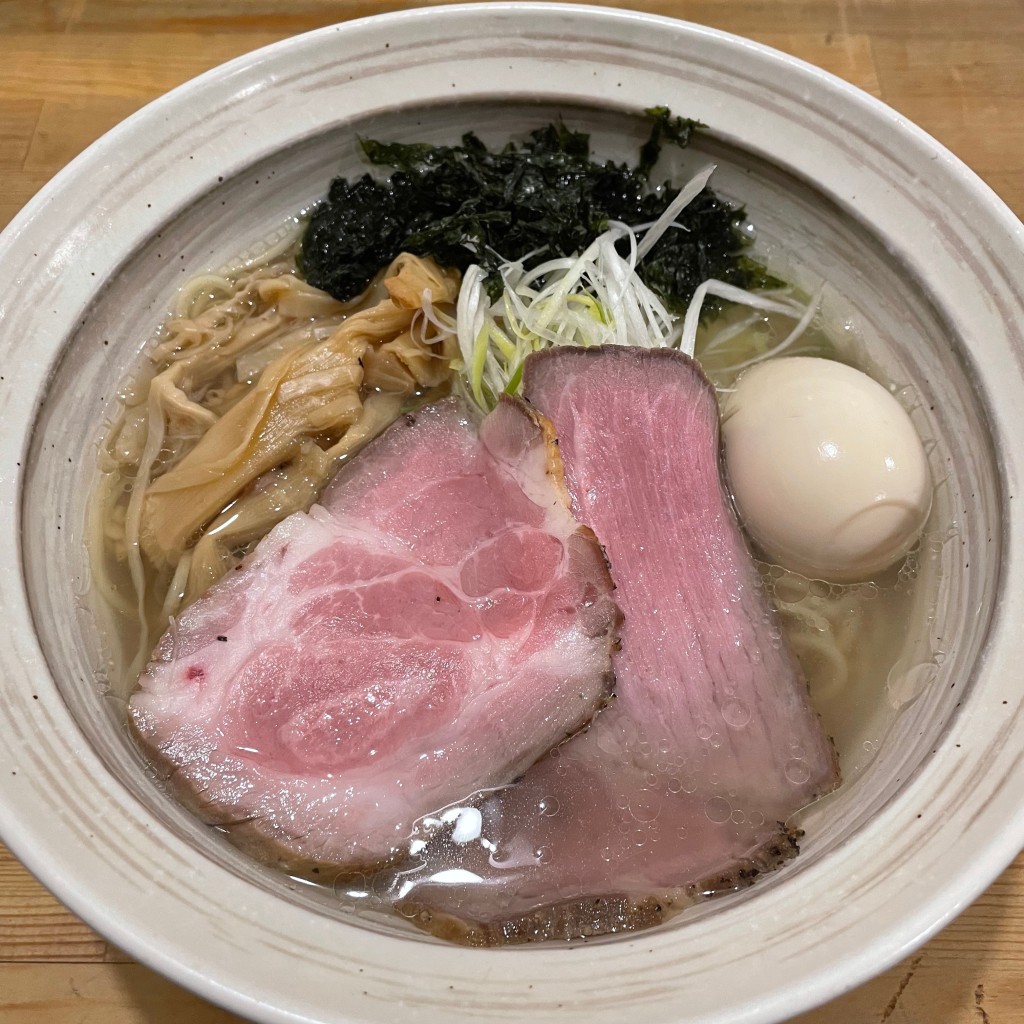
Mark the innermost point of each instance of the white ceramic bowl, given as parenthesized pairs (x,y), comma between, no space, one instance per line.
(929,259)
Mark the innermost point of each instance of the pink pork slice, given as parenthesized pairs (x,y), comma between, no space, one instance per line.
(682,787)
(431,629)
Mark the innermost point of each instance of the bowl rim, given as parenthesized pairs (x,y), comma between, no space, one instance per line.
(88,894)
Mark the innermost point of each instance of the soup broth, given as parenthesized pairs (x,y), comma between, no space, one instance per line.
(861,658)
(851,640)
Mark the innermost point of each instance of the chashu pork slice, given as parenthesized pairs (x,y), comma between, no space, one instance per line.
(683,785)
(430,630)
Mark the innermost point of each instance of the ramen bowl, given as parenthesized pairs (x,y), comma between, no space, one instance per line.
(922,260)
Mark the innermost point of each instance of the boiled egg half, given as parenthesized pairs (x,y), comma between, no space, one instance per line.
(827,471)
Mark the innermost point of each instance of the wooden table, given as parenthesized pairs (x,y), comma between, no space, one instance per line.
(70,69)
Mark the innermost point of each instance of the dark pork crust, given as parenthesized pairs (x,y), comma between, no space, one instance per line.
(589,917)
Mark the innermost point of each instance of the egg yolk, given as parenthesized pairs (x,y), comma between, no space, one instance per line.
(828,474)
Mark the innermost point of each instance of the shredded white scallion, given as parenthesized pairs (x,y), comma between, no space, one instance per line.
(687,194)
(593,298)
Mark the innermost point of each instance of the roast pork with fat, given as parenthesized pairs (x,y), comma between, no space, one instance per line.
(431,629)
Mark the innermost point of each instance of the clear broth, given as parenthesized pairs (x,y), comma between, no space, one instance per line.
(861,660)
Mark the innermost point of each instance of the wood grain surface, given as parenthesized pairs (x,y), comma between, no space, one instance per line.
(71,69)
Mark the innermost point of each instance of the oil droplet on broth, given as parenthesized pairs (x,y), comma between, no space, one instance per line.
(905,683)
(735,713)
(797,771)
(792,588)
(718,809)
(548,807)
(646,809)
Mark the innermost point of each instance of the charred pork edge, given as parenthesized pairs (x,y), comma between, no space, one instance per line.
(555,467)
(592,916)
